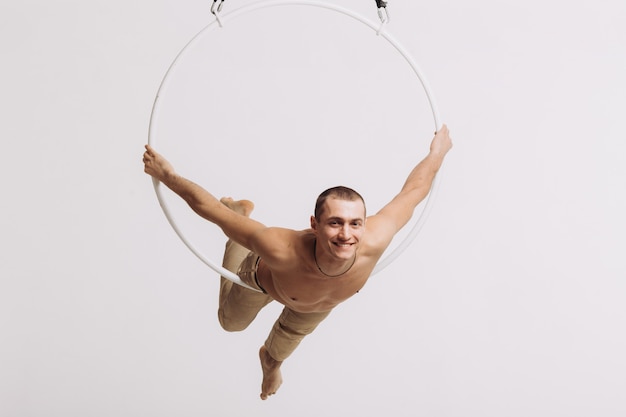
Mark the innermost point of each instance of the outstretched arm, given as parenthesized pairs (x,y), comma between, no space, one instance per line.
(391,218)
(237,227)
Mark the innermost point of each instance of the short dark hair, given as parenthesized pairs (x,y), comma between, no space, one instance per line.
(341,193)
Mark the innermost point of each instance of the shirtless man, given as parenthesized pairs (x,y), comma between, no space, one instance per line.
(309,271)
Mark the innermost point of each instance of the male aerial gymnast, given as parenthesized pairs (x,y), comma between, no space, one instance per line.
(308,271)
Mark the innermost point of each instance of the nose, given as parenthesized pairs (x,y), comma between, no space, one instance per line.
(344,232)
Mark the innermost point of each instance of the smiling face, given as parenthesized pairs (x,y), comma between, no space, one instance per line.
(339,228)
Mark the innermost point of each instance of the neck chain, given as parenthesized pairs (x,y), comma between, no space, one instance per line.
(320,268)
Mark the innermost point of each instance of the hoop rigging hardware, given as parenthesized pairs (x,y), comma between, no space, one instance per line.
(383,13)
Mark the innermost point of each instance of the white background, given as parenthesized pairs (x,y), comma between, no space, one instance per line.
(511,301)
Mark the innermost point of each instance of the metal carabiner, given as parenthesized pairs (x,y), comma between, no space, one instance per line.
(217,6)
(383,13)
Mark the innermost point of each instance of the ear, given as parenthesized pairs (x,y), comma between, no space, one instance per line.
(313,223)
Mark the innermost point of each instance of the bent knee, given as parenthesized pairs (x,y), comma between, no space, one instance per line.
(231,324)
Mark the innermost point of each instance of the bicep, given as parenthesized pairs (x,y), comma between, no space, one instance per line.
(273,244)
(239,228)
(396,214)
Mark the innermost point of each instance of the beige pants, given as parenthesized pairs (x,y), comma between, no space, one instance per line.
(239,306)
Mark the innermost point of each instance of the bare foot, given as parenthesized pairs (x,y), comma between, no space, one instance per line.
(243,207)
(272,378)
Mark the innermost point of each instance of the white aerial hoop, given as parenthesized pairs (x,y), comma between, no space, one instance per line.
(216,24)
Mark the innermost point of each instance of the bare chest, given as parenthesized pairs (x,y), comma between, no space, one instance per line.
(309,291)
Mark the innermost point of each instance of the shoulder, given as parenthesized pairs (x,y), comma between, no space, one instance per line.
(276,235)
(279,244)
(379,231)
